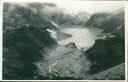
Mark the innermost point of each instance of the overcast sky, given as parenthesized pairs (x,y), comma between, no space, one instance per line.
(89,6)
(74,6)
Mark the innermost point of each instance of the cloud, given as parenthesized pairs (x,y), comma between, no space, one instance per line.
(72,6)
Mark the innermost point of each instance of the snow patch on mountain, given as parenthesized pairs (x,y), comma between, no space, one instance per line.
(52,33)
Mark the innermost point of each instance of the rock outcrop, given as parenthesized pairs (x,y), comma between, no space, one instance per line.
(72,64)
(71,45)
(114,73)
(66,61)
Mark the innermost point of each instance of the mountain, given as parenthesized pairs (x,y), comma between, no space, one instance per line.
(109,49)
(24,36)
(31,51)
(105,54)
(67,19)
(30,13)
(106,21)
(114,73)
(63,62)
(94,17)
(28,38)
(82,18)
(21,49)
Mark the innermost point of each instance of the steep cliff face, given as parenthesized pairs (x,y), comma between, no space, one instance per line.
(105,54)
(109,48)
(21,49)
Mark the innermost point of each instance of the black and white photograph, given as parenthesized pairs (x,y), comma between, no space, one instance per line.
(63,40)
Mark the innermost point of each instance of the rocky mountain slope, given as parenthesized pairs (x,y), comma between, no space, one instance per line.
(94,18)
(114,73)
(28,42)
(109,49)
(24,36)
(21,49)
(64,62)
(31,52)
(106,21)
(104,52)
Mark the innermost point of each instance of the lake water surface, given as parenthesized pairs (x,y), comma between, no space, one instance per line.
(81,37)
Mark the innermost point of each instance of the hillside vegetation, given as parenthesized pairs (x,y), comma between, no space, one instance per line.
(31,51)
(109,48)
